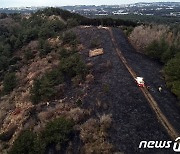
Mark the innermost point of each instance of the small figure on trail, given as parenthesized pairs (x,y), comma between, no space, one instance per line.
(160,89)
(47,103)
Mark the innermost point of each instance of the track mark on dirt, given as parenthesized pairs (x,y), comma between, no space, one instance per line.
(161,117)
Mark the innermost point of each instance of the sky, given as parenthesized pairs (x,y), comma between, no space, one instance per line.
(18,3)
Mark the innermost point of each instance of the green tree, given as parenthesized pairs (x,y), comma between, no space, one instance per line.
(166,55)
(35,92)
(55,25)
(157,48)
(43,88)
(58,131)
(47,90)
(12,40)
(55,77)
(30,34)
(44,47)
(72,23)
(45,33)
(69,38)
(172,74)
(18,43)
(4,62)
(9,83)
(24,144)
(73,65)
(7,50)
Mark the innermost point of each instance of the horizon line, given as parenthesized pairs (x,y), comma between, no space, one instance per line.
(87,5)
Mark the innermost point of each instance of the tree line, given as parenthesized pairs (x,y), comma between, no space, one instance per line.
(169,55)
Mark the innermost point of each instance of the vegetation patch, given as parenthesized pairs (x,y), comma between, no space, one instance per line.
(44,88)
(93,134)
(69,37)
(9,83)
(169,55)
(161,43)
(172,74)
(73,66)
(56,132)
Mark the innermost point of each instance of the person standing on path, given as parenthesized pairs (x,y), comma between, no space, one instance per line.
(160,89)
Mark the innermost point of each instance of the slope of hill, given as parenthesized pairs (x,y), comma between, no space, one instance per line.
(133,120)
(43,77)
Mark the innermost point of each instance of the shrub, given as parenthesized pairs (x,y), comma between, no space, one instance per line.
(6,136)
(94,133)
(153,50)
(35,92)
(166,55)
(44,47)
(46,115)
(45,33)
(72,23)
(127,30)
(161,50)
(30,34)
(26,143)
(17,44)
(14,60)
(58,132)
(55,77)
(172,74)
(169,53)
(69,38)
(4,62)
(7,50)
(47,90)
(106,88)
(9,83)
(64,53)
(28,54)
(55,25)
(73,66)
(106,121)
(43,88)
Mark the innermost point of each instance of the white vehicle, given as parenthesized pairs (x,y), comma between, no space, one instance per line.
(140,81)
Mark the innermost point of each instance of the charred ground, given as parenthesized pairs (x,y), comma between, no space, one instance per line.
(133,119)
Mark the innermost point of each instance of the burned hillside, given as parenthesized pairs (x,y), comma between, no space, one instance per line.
(64,89)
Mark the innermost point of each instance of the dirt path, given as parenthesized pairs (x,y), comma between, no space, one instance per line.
(154,105)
